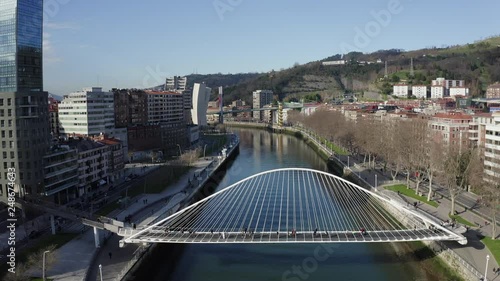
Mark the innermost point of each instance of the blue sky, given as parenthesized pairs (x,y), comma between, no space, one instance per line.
(125,43)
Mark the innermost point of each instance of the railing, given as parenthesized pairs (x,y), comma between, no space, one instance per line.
(459,259)
(136,256)
(467,265)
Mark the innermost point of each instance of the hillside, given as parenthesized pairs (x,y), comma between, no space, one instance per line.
(477,63)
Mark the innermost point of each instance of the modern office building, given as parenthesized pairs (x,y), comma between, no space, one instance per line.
(176,83)
(24,118)
(260,99)
(201,97)
(87,113)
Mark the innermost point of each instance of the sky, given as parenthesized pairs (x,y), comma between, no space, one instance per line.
(136,44)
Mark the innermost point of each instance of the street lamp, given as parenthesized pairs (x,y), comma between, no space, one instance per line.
(486,270)
(347,161)
(180,151)
(43,265)
(100,271)
(375,181)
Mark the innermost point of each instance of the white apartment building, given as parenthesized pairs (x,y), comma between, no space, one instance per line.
(87,113)
(165,108)
(477,129)
(201,97)
(176,83)
(437,92)
(459,91)
(400,90)
(419,91)
(492,149)
(260,99)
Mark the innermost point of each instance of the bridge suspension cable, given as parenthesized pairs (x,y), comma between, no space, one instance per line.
(293,205)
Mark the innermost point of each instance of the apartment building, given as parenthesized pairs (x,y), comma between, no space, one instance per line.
(87,113)
(60,181)
(131,107)
(166,109)
(451,128)
(419,91)
(400,90)
(493,91)
(260,99)
(438,92)
(93,161)
(459,91)
(492,149)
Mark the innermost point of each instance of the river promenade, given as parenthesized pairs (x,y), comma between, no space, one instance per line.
(79,259)
(472,256)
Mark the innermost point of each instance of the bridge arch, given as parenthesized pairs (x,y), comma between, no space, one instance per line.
(294,205)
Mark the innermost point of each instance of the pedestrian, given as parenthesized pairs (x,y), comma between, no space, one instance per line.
(110,254)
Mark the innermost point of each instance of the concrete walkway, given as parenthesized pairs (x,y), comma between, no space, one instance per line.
(474,252)
(76,256)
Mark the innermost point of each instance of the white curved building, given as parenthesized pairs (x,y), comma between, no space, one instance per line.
(201,97)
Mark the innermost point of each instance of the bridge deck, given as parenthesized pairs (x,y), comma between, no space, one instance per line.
(299,237)
(293,205)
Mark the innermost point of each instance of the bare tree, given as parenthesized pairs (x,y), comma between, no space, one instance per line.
(434,154)
(486,182)
(190,156)
(418,150)
(456,169)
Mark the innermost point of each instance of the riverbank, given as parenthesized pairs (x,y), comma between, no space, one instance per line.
(417,256)
(200,186)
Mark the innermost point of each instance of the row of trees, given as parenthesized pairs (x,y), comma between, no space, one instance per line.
(407,146)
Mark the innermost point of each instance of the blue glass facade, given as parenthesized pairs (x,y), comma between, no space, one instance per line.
(21,45)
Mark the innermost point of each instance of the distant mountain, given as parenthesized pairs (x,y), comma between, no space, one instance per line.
(59,98)
(477,63)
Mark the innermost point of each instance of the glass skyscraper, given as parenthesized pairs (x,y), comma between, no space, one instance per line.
(24,125)
(21,45)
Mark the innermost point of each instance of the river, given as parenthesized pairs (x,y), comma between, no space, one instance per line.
(261,151)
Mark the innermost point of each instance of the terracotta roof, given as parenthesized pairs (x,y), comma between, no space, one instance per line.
(162,93)
(453,116)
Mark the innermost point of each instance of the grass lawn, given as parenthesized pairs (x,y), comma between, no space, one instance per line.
(411,193)
(108,208)
(155,182)
(215,143)
(461,220)
(494,246)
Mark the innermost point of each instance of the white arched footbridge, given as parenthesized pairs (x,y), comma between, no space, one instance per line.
(294,206)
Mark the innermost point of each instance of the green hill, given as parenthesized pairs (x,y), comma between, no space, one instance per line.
(477,63)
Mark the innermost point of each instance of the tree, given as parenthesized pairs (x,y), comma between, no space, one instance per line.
(488,186)
(34,261)
(190,156)
(434,154)
(456,169)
